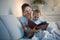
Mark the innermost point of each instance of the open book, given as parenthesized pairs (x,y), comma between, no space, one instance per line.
(42,25)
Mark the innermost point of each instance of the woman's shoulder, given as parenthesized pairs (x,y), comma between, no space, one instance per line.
(22,18)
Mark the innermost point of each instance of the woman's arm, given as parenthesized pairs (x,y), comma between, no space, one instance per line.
(30,31)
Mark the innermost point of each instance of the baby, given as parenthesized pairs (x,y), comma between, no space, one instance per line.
(36,16)
(36,19)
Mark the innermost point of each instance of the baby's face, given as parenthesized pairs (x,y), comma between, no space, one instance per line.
(36,16)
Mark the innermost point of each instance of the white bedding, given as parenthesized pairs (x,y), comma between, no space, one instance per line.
(55,30)
(52,36)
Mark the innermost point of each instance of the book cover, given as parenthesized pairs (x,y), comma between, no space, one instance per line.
(42,25)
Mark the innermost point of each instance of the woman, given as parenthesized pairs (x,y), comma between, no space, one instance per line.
(26,15)
(26,12)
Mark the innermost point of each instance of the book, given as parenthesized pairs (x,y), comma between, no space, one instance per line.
(41,26)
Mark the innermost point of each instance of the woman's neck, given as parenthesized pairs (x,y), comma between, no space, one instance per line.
(27,17)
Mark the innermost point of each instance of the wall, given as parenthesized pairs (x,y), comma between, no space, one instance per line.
(8,7)
(51,10)
(4,5)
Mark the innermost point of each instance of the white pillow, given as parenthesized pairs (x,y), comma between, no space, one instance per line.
(4,35)
(13,25)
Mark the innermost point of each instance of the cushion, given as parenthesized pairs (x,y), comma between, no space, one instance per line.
(13,25)
(4,35)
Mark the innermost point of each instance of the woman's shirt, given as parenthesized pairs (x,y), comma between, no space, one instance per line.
(24,21)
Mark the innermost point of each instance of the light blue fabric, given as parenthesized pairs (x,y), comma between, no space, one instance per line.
(49,29)
(49,36)
(44,35)
(40,34)
(4,34)
(32,20)
(24,21)
(35,38)
(12,25)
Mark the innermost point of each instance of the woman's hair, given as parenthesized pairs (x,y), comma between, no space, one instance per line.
(24,6)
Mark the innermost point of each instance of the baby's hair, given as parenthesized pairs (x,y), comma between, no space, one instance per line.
(37,11)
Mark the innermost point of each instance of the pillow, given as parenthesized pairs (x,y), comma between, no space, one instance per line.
(4,35)
(13,25)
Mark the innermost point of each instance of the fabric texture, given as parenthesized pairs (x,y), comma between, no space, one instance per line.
(13,26)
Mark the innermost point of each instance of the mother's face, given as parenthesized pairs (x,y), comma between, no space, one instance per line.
(28,11)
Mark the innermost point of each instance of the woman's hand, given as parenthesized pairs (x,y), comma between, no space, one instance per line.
(34,30)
